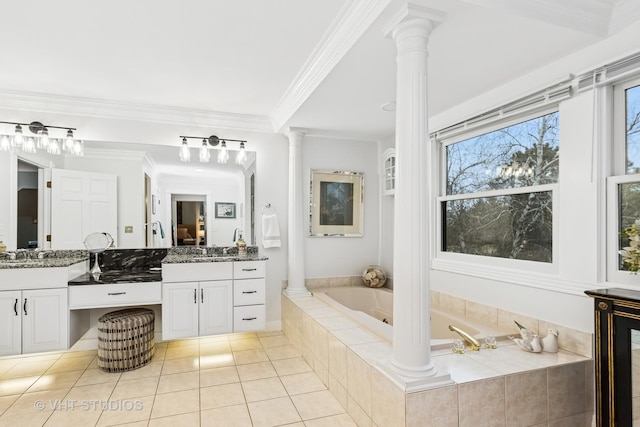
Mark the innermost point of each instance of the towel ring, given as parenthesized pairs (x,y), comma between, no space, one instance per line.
(267,206)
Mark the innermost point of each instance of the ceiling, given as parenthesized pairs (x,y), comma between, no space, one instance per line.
(264,66)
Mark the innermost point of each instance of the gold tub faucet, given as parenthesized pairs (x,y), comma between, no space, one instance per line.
(473,343)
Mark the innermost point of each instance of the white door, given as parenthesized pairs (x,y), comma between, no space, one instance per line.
(216,307)
(82,203)
(179,310)
(44,320)
(10,319)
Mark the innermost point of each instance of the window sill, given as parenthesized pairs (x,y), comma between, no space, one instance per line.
(532,279)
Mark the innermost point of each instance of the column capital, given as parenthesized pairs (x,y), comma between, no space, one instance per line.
(411,10)
(293,132)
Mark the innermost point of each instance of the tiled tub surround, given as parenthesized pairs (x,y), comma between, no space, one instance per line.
(505,386)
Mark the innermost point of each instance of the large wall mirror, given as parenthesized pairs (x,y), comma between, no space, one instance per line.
(157,195)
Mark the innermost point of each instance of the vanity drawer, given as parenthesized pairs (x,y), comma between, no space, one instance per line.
(248,292)
(248,269)
(196,271)
(115,295)
(249,318)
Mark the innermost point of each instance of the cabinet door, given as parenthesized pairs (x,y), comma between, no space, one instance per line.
(44,320)
(179,310)
(216,307)
(10,318)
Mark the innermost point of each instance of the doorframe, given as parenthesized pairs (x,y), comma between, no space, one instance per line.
(187,197)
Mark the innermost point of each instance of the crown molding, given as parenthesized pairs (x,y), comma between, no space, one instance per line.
(100,108)
(349,25)
(587,16)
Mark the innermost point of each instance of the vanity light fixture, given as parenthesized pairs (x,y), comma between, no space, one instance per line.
(207,143)
(42,140)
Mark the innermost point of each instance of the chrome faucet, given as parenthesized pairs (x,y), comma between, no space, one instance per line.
(473,343)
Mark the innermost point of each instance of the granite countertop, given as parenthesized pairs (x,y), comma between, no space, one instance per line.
(191,258)
(125,265)
(42,259)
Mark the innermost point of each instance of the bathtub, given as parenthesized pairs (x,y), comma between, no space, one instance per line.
(373,309)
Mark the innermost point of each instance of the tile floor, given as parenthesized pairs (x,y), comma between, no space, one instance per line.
(251,379)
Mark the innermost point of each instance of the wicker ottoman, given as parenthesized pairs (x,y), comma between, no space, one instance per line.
(125,339)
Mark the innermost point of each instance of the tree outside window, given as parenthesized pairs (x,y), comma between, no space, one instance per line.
(499,188)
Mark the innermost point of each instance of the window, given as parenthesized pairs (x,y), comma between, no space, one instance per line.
(623,189)
(499,190)
(389,171)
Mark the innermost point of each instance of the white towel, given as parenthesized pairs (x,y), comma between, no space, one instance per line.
(270,231)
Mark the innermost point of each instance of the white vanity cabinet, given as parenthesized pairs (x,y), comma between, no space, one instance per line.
(34,310)
(211,298)
(197,299)
(36,319)
(249,290)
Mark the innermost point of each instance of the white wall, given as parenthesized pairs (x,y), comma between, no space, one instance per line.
(343,256)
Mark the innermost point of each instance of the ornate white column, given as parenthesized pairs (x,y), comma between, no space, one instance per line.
(295,285)
(410,365)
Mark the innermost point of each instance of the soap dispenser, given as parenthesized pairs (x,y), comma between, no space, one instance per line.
(241,244)
(3,247)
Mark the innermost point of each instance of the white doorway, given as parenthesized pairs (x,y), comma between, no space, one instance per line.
(189,220)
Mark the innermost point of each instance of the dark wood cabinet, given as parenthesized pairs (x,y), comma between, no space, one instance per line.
(617,350)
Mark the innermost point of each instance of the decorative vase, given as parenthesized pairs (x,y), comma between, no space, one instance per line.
(374,276)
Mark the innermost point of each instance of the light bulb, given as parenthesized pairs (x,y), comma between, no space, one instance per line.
(204,152)
(54,147)
(68,142)
(185,153)
(78,148)
(241,157)
(43,139)
(5,143)
(29,146)
(223,155)
(18,139)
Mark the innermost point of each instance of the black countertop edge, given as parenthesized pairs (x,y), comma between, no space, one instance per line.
(615,293)
(117,277)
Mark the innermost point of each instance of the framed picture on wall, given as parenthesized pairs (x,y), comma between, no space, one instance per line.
(225,210)
(336,204)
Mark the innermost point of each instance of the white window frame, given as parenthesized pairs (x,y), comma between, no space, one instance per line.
(618,169)
(613,226)
(486,266)
(389,172)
